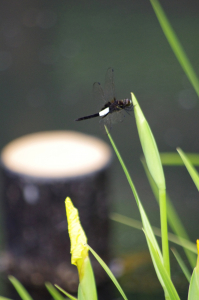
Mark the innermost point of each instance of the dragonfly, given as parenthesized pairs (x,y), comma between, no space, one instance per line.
(113,109)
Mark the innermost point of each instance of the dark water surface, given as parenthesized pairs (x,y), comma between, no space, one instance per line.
(52,52)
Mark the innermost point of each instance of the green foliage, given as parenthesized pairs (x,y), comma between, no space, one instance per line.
(108,271)
(175,45)
(182,264)
(149,146)
(190,168)
(170,291)
(173,218)
(54,293)
(65,293)
(172,237)
(20,289)
(194,284)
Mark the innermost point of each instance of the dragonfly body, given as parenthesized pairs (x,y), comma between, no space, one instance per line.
(111,104)
(109,108)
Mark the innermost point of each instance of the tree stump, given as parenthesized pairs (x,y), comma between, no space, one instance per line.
(39,171)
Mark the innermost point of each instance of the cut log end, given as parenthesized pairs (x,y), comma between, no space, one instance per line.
(56,154)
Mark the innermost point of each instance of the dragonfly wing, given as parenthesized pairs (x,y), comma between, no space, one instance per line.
(98,94)
(118,116)
(109,87)
(106,121)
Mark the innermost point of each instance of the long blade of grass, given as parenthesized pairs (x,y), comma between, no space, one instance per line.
(173,218)
(149,146)
(155,168)
(108,271)
(145,221)
(65,293)
(175,45)
(54,293)
(20,288)
(182,264)
(138,225)
(192,171)
(144,218)
(173,159)
(169,287)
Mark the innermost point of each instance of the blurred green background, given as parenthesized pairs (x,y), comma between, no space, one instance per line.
(51,53)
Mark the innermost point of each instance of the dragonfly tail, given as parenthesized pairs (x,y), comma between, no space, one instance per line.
(88,117)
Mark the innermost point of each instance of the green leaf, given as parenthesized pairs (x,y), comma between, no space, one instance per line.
(65,293)
(194,287)
(3,298)
(175,45)
(108,271)
(138,225)
(155,168)
(54,293)
(81,294)
(194,284)
(149,146)
(182,264)
(145,221)
(174,220)
(192,171)
(20,288)
(173,159)
(168,285)
(87,286)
